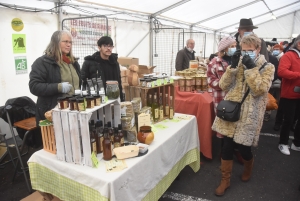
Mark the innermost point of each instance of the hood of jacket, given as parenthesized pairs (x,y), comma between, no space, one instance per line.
(113,58)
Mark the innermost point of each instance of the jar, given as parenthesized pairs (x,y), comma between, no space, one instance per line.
(182,88)
(194,64)
(149,83)
(142,82)
(145,135)
(188,81)
(80,104)
(73,103)
(198,81)
(112,90)
(193,81)
(102,94)
(62,103)
(176,82)
(182,82)
(97,100)
(204,80)
(89,102)
(153,82)
(193,88)
(188,88)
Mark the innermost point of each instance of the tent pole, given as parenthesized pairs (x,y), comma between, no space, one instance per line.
(60,17)
(293,24)
(151,41)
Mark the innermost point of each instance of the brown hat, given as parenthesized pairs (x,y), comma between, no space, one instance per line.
(246,23)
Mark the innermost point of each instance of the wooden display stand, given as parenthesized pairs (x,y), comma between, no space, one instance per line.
(72,130)
(48,139)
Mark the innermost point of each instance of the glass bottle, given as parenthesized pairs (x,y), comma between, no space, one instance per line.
(149,101)
(121,135)
(155,108)
(167,108)
(161,107)
(110,132)
(117,140)
(93,139)
(99,134)
(107,153)
(171,108)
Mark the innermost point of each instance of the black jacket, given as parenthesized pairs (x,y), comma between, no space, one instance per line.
(44,79)
(263,49)
(94,63)
(273,60)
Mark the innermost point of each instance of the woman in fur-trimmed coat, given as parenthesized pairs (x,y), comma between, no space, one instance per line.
(244,73)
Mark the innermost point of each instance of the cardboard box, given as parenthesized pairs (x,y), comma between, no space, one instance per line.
(127,61)
(143,69)
(124,79)
(40,196)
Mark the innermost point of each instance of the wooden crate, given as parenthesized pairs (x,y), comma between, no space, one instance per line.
(48,139)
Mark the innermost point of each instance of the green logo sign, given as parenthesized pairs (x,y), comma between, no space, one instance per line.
(19,43)
(21,65)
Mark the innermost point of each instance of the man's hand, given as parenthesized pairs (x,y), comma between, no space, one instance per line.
(235,59)
(248,62)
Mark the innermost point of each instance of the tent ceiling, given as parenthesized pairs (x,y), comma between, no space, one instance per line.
(214,15)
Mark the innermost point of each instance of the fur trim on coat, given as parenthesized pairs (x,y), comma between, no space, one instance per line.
(247,129)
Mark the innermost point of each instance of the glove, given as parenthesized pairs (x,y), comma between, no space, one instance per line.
(65,87)
(248,62)
(235,59)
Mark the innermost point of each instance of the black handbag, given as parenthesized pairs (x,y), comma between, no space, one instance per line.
(230,110)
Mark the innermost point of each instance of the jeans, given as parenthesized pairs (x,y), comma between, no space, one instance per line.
(291,111)
(228,148)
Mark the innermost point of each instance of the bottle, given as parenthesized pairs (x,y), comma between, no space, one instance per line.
(171,108)
(92,138)
(99,134)
(117,140)
(149,101)
(161,107)
(107,153)
(110,132)
(121,135)
(167,108)
(155,108)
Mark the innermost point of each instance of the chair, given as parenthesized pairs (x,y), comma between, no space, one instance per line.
(20,114)
(3,143)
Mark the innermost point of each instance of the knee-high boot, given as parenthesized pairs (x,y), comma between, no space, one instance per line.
(248,166)
(226,169)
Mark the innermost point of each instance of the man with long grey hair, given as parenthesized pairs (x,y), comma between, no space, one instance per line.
(185,55)
(289,71)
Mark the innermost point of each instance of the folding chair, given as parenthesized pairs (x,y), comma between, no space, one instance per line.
(4,145)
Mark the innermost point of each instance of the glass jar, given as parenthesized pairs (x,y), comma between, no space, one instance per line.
(148,83)
(80,104)
(112,90)
(154,82)
(142,82)
(97,100)
(89,102)
(73,103)
(62,103)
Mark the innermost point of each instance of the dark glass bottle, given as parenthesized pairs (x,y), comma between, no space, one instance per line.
(92,138)
(121,135)
(107,153)
(117,140)
(110,132)
(99,134)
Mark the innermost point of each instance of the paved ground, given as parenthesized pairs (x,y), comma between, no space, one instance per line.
(275,176)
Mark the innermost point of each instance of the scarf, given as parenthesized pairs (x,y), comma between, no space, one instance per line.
(66,59)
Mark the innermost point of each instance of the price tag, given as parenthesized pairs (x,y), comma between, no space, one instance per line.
(106,99)
(175,120)
(171,80)
(160,126)
(95,160)
(158,82)
(143,120)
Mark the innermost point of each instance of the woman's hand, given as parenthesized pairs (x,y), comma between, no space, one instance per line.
(248,62)
(235,59)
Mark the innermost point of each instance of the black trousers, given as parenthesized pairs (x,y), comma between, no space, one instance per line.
(228,148)
(291,111)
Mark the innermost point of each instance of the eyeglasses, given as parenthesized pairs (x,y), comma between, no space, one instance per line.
(108,46)
(247,52)
(66,41)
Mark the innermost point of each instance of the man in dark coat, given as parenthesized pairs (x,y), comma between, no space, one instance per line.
(185,55)
(102,63)
(245,28)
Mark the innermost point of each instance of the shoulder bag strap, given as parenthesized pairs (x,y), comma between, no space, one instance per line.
(247,92)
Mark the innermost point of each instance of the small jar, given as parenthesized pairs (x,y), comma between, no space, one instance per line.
(80,104)
(198,81)
(112,90)
(188,88)
(182,82)
(188,81)
(148,83)
(142,82)
(154,82)
(97,100)
(73,103)
(89,102)
(193,81)
(62,103)
(176,82)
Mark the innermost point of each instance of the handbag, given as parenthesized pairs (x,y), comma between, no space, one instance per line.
(230,110)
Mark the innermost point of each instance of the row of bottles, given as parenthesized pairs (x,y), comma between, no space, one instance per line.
(104,139)
(160,111)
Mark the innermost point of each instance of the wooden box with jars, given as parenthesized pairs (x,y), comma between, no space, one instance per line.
(74,132)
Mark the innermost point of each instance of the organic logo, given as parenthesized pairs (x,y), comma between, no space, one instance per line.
(17,24)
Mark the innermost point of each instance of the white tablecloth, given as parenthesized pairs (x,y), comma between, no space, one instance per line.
(143,173)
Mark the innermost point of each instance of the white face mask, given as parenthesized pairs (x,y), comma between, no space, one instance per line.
(247,33)
(231,51)
(189,49)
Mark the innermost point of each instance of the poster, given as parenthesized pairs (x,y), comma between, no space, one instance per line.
(19,43)
(21,65)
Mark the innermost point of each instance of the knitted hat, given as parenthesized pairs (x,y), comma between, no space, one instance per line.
(225,42)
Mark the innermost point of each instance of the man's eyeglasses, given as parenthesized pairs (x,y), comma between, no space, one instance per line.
(108,46)
(66,41)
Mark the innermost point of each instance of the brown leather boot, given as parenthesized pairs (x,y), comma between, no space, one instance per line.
(226,168)
(248,166)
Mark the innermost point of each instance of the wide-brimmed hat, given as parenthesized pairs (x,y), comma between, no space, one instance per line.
(246,23)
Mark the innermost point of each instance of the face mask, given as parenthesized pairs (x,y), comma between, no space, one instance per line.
(247,33)
(284,46)
(275,52)
(189,49)
(251,54)
(231,51)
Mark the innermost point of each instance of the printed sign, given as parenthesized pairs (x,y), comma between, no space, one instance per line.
(19,43)
(21,65)
(17,24)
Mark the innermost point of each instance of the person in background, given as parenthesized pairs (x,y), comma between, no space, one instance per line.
(284,44)
(55,74)
(278,51)
(245,28)
(289,71)
(288,46)
(103,63)
(185,55)
(251,71)
(215,70)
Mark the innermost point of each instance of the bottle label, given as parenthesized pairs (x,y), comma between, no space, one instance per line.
(161,114)
(66,104)
(75,106)
(81,107)
(167,110)
(98,102)
(94,147)
(112,139)
(101,143)
(117,144)
(122,140)
(171,113)
(156,113)
(92,103)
